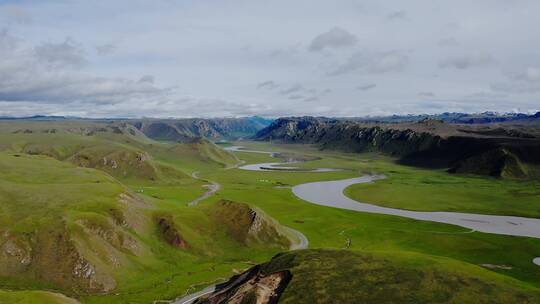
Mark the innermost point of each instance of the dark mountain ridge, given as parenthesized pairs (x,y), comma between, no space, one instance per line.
(188,128)
(496,150)
(178,130)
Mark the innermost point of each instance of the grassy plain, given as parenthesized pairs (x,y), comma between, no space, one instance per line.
(436,190)
(328,227)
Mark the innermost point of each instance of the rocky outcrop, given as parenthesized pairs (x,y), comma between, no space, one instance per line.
(122,163)
(250,226)
(52,256)
(170,232)
(253,287)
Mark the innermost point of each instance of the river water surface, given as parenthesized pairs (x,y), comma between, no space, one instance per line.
(330,193)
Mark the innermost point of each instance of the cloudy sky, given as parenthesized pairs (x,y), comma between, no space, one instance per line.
(165,58)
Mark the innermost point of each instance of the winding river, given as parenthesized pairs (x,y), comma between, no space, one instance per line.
(281,166)
(330,193)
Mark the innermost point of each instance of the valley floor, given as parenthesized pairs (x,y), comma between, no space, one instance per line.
(163,272)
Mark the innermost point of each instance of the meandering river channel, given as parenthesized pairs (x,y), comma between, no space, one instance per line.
(330,193)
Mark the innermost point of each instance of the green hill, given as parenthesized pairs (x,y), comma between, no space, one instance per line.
(341,276)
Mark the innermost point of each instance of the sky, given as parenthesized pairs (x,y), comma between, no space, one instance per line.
(203,58)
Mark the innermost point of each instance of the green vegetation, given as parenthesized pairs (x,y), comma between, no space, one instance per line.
(34,297)
(87,232)
(131,223)
(436,190)
(249,226)
(332,276)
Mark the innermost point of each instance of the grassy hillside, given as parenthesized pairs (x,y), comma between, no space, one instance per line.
(332,276)
(34,297)
(88,213)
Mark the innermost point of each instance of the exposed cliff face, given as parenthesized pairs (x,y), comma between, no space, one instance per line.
(428,143)
(253,287)
(185,129)
(51,255)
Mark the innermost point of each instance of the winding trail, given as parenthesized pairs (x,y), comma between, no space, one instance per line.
(303,242)
(194,296)
(213,187)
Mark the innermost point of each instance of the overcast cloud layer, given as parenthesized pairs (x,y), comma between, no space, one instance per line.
(207,58)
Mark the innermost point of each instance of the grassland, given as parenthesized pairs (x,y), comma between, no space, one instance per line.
(436,190)
(48,189)
(56,216)
(330,228)
(340,276)
(34,297)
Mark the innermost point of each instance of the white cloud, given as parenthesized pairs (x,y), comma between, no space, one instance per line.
(147,79)
(463,62)
(214,53)
(7,41)
(105,49)
(269,84)
(526,81)
(65,54)
(531,74)
(397,15)
(373,63)
(334,38)
(426,94)
(43,75)
(296,96)
(448,42)
(366,87)
(292,89)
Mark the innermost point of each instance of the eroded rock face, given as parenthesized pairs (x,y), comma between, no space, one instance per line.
(170,233)
(51,256)
(252,286)
(15,254)
(248,225)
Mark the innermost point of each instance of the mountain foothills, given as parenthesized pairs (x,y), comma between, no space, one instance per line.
(153,210)
(509,149)
(177,129)
(88,208)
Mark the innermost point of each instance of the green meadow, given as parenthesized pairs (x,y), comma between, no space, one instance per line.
(58,186)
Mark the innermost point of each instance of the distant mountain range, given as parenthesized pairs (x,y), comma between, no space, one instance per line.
(181,130)
(459,118)
(186,129)
(505,149)
(450,117)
